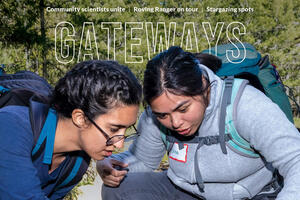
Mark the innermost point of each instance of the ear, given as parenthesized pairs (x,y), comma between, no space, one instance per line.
(78,118)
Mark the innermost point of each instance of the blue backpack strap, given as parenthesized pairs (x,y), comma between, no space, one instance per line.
(47,136)
(237,143)
(75,169)
(76,165)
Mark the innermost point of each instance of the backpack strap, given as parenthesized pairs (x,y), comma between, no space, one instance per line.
(75,169)
(70,171)
(169,140)
(226,100)
(237,143)
(164,132)
(38,113)
(47,134)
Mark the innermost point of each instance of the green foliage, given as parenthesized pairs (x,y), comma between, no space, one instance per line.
(297,122)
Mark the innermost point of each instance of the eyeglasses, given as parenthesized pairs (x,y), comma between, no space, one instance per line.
(114,139)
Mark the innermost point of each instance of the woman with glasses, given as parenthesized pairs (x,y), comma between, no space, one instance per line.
(91,108)
(183,118)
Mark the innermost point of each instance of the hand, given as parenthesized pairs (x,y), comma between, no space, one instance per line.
(108,171)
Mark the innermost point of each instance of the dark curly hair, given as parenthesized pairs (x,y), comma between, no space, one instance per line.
(95,87)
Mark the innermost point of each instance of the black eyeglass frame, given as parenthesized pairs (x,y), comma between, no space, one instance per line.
(110,140)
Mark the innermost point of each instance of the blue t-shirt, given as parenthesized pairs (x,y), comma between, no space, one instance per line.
(20,177)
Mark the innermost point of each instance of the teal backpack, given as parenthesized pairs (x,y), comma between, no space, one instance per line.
(244,59)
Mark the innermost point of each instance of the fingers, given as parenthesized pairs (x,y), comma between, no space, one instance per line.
(118,173)
(118,163)
(113,181)
(111,176)
(114,178)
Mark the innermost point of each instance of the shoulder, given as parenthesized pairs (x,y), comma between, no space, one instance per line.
(256,114)
(255,101)
(15,116)
(15,111)
(15,129)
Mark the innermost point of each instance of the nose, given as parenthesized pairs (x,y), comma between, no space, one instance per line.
(119,144)
(176,121)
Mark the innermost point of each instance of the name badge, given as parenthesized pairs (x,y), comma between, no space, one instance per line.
(179,154)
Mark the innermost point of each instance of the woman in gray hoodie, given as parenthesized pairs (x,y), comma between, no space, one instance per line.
(185,100)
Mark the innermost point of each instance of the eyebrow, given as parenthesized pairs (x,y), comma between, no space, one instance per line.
(176,108)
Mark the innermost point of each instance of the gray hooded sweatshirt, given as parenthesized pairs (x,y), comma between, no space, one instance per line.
(228,176)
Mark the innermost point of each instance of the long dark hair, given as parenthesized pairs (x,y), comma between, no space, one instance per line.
(175,71)
(95,87)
